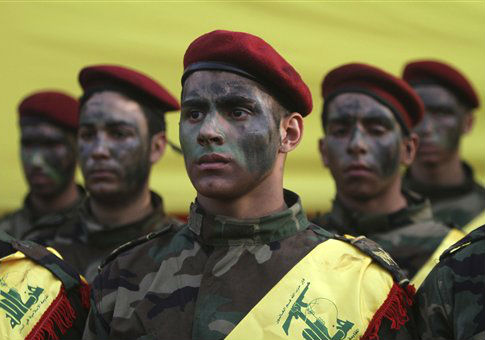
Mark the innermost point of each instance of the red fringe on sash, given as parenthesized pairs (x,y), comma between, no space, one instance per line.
(85,291)
(394,309)
(60,314)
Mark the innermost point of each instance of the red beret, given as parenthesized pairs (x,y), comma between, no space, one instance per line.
(57,107)
(384,87)
(435,72)
(97,76)
(251,57)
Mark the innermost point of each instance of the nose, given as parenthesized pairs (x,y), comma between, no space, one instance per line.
(357,144)
(100,148)
(425,127)
(211,131)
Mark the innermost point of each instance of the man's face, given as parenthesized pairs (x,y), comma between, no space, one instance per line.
(442,125)
(48,157)
(114,148)
(228,133)
(362,146)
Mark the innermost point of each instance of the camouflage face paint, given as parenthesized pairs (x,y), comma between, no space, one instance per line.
(363,141)
(441,129)
(48,157)
(114,152)
(227,133)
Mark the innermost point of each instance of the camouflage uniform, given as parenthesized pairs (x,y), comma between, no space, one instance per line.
(26,224)
(199,282)
(451,301)
(409,235)
(83,242)
(75,289)
(452,204)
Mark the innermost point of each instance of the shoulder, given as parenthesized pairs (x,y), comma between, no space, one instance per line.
(155,245)
(13,218)
(468,244)
(378,255)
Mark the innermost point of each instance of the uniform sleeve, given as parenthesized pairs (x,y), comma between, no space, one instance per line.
(96,325)
(434,304)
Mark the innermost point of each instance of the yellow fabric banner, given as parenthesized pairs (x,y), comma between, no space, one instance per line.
(454,235)
(27,291)
(332,293)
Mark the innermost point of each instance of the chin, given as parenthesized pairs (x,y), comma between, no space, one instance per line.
(220,189)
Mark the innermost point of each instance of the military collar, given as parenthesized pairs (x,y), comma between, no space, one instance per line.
(437,192)
(54,218)
(220,230)
(345,220)
(100,235)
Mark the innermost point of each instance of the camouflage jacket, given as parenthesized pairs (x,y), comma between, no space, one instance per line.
(451,301)
(83,242)
(409,235)
(199,282)
(452,204)
(64,318)
(26,224)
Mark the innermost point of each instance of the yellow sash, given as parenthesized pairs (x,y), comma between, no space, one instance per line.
(478,221)
(334,292)
(454,235)
(27,292)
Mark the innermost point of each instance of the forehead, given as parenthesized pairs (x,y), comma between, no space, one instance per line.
(108,106)
(220,84)
(357,105)
(41,129)
(436,95)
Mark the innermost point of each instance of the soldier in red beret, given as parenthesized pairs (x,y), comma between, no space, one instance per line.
(121,136)
(438,171)
(248,264)
(367,118)
(48,125)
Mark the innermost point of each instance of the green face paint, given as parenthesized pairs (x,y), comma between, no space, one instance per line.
(227,132)
(441,129)
(114,149)
(48,157)
(363,142)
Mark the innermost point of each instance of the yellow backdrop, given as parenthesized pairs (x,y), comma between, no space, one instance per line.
(45,44)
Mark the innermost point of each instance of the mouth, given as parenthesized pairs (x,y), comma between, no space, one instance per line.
(100,173)
(427,148)
(358,170)
(39,178)
(213,161)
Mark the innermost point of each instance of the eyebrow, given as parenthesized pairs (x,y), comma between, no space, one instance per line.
(111,124)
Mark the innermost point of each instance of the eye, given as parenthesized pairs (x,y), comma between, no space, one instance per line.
(377,130)
(195,115)
(239,114)
(85,134)
(120,133)
(337,130)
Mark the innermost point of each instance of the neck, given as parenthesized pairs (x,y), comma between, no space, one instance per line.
(447,173)
(64,200)
(127,212)
(387,202)
(266,199)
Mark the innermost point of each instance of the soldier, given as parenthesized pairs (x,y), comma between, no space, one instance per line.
(248,264)
(121,135)
(367,117)
(48,125)
(438,171)
(41,297)
(451,301)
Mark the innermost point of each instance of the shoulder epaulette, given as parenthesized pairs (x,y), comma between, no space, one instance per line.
(475,236)
(131,244)
(379,255)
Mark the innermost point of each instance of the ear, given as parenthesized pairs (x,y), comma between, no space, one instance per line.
(322,147)
(468,122)
(291,132)
(157,147)
(409,146)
